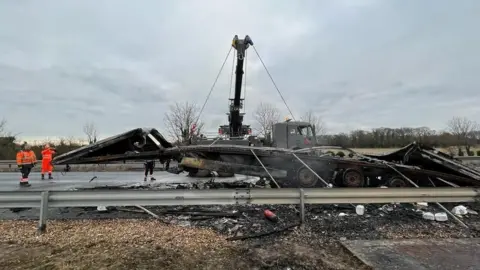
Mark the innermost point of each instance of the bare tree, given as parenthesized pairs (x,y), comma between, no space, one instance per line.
(464,130)
(90,130)
(3,130)
(3,125)
(181,121)
(266,115)
(316,121)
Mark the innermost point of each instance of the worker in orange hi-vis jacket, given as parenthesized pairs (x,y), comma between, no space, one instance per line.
(26,160)
(47,167)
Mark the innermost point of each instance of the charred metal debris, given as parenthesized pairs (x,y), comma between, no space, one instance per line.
(309,167)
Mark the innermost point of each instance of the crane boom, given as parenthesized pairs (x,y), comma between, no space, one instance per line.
(236,129)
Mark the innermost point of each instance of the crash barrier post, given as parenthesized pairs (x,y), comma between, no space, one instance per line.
(302,206)
(81,198)
(42,221)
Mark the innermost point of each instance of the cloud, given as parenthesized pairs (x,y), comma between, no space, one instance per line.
(358,64)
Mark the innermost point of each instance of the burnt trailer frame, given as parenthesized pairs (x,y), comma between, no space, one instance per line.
(309,167)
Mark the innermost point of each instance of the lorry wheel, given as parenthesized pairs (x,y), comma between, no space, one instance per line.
(353,178)
(306,178)
(397,182)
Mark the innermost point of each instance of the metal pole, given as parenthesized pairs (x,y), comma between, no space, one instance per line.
(259,161)
(438,204)
(447,182)
(42,222)
(302,206)
(310,169)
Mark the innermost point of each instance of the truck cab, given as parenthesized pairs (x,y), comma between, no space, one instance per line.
(293,135)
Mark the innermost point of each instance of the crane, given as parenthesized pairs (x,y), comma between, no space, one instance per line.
(235,129)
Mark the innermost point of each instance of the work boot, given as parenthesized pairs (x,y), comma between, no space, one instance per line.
(145,179)
(50,176)
(24,184)
(43,176)
(152,178)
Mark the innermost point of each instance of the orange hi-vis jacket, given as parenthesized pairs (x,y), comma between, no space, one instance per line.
(47,154)
(26,157)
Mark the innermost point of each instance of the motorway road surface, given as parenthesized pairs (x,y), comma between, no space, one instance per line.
(9,181)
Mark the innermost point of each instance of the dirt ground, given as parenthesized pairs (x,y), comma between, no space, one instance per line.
(147,244)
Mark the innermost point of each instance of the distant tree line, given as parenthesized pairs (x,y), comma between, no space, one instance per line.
(460,134)
(9,145)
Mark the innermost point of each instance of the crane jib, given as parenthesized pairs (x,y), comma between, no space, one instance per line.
(235,117)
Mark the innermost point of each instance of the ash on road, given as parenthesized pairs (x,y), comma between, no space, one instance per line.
(76,180)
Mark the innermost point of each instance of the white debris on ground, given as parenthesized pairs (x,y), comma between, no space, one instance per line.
(441,216)
(459,210)
(360,210)
(421,205)
(428,216)
(101,208)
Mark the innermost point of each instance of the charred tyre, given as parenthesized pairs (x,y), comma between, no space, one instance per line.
(353,178)
(306,178)
(397,181)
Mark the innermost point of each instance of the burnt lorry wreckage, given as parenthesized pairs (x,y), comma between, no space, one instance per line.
(414,164)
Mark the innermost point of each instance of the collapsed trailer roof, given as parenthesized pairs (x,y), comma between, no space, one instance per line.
(427,157)
(128,143)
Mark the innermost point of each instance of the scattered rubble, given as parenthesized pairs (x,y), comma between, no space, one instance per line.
(235,220)
(286,242)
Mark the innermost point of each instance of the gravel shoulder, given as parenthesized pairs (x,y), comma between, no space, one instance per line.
(184,239)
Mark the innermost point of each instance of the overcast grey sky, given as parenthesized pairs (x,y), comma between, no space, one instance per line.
(358,64)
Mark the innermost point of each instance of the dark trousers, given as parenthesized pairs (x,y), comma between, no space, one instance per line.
(25,170)
(149,167)
(167,165)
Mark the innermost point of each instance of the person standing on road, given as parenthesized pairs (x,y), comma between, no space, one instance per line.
(26,160)
(149,165)
(47,166)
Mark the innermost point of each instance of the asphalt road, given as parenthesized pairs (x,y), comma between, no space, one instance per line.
(9,181)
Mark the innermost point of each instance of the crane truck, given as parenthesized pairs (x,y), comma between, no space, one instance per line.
(288,134)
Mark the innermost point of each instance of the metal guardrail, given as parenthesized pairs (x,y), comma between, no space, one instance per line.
(46,199)
(13,162)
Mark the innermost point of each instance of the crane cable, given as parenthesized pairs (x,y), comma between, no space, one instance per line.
(271,78)
(213,85)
